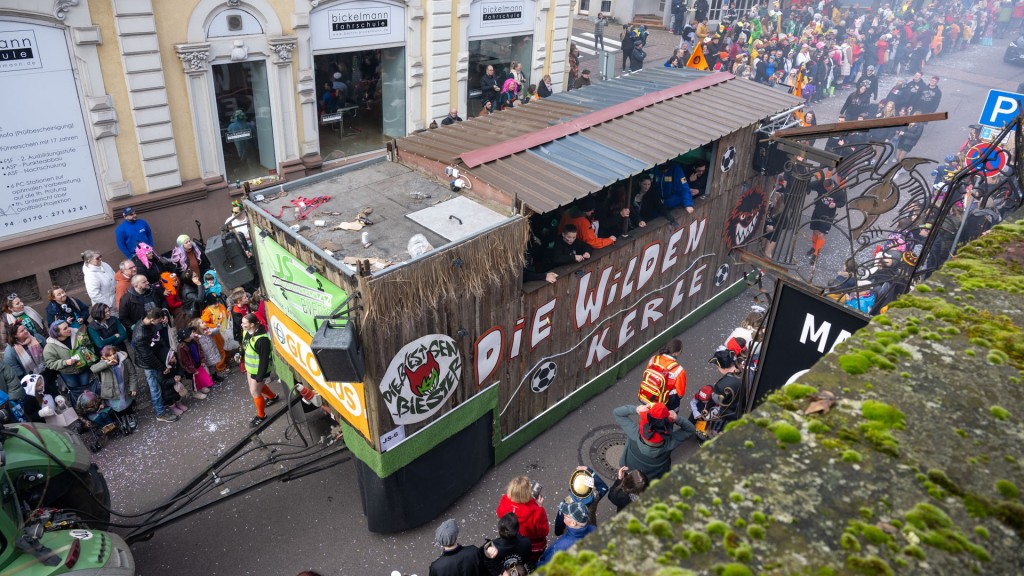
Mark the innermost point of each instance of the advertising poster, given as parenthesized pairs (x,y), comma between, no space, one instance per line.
(803,327)
(293,344)
(46,167)
(299,293)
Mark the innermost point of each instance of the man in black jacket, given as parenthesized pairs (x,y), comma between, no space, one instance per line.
(151,344)
(456,559)
(138,300)
(490,88)
(567,250)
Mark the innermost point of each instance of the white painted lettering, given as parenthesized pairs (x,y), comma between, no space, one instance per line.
(651,313)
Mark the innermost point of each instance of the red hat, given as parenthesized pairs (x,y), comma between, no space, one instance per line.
(655,424)
(658,411)
(704,394)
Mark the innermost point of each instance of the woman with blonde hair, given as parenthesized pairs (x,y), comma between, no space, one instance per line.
(525,501)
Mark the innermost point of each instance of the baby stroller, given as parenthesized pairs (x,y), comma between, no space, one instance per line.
(123,415)
(60,413)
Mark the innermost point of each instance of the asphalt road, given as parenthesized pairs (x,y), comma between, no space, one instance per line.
(316,522)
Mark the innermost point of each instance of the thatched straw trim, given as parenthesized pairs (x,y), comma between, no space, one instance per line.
(489,261)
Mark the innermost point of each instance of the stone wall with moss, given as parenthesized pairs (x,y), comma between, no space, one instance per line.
(915,468)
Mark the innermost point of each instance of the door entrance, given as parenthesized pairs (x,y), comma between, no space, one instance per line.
(360,100)
(243,109)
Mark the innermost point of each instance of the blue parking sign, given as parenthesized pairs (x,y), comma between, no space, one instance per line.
(1001,108)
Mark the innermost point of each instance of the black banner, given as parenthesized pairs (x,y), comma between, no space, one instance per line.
(502,16)
(802,328)
(359,25)
(16,54)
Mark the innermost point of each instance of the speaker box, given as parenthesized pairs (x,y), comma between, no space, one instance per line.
(338,352)
(768,159)
(228,258)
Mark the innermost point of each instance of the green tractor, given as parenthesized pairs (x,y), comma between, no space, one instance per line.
(50,491)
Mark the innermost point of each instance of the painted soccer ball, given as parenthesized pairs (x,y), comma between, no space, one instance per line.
(722,274)
(543,377)
(728,159)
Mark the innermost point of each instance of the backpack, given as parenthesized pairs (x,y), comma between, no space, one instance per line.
(654,385)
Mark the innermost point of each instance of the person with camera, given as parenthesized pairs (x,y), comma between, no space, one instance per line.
(524,499)
(151,344)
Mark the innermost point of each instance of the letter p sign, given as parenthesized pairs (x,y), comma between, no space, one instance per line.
(1001,108)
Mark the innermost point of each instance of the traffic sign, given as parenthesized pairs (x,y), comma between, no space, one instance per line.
(1001,108)
(987,159)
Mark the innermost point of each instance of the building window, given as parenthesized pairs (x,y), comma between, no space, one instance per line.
(243,110)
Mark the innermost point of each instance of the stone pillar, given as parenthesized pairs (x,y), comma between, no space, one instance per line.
(310,146)
(195,58)
(282,79)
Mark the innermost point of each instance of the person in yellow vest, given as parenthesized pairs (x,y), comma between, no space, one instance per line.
(256,361)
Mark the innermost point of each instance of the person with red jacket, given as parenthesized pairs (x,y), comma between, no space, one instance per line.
(533,520)
(581,215)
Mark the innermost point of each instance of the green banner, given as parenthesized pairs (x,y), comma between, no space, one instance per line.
(300,294)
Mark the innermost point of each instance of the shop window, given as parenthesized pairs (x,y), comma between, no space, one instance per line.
(360,100)
(243,110)
(233,22)
(500,53)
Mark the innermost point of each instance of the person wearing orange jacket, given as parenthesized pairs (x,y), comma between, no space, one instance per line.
(668,373)
(581,215)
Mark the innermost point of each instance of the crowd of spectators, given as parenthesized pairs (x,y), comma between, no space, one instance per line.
(159,320)
(659,422)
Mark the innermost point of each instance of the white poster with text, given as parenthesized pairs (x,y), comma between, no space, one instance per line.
(47,174)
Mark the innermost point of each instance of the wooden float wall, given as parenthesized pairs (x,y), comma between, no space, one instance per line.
(479,304)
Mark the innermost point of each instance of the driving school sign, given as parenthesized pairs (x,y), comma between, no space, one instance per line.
(490,17)
(293,344)
(421,377)
(358,23)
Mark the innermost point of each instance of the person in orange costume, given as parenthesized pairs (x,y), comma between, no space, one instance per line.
(582,215)
(215,315)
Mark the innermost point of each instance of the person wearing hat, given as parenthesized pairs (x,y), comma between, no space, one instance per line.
(587,487)
(456,559)
(238,223)
(577,525)
(726,392)
(581,215)
(131,232)
(649,442)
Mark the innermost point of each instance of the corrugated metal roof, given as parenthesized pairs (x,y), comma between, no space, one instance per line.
(551,152)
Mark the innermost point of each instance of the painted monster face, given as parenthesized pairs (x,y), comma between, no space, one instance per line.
(743,222)
(424,378)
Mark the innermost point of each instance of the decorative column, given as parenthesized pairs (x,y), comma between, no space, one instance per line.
(306,88)
(462,61)
(415,84)
(195,59)
(281,50)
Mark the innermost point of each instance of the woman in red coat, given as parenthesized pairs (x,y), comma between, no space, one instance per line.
(533,520)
